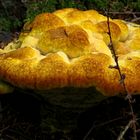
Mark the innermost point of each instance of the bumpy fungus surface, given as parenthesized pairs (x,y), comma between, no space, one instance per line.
(69,48)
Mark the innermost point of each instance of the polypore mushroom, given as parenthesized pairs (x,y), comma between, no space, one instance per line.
(69,48)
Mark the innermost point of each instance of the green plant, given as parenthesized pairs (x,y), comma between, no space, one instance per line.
(99,4)
(34,8)
(10,16)
(5,24)
(117,6)
(73,4)
(136,5)
(9,24)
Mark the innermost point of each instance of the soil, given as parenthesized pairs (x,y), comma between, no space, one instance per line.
(25,116)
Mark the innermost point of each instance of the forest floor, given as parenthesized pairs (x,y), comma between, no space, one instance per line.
(22,119)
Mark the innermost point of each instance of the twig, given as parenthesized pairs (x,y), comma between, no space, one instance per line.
(122,77)
(124,13)
(125,130)
(111,47)
(18,133)
(3,129)
(136,19)
(99,125)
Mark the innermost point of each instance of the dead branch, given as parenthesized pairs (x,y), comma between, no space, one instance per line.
(122,81)
(135,20)
(120,137)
